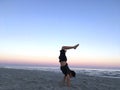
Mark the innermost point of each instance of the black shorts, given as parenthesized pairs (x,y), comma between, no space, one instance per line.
(65,69)
(62,58)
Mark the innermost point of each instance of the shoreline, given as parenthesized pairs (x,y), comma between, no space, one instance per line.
(19,79)
(110,73)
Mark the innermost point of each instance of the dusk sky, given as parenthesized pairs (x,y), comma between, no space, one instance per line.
(33,31)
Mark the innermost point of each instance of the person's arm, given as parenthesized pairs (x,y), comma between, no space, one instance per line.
(68,80)
(64,80)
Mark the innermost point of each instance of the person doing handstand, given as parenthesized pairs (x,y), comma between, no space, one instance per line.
(64,65)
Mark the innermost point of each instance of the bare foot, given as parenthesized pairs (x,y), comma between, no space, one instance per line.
(76,46)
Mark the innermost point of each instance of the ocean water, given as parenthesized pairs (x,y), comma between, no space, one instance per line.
(112,73)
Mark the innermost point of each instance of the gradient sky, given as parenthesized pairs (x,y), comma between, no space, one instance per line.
(33,31)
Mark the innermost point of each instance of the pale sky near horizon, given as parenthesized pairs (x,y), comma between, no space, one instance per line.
(33,31)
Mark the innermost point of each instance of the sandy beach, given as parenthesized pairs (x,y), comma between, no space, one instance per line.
(18,79)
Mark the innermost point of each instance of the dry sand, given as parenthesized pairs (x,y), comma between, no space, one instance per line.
(17,79)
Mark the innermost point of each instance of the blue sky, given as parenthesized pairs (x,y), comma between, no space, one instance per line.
(39,28)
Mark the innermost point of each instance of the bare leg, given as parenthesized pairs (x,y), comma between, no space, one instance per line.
(70,47)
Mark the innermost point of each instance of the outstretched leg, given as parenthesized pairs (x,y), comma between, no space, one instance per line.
(70,47)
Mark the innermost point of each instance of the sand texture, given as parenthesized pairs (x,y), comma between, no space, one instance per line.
(18,79)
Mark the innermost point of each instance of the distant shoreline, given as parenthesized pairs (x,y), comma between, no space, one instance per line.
(112,73)
(73,66)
